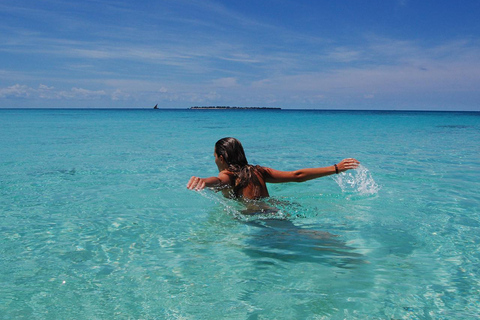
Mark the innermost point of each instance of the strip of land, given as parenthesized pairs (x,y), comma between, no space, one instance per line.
(228,107)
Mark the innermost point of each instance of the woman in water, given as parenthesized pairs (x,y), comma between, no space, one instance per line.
(238,179)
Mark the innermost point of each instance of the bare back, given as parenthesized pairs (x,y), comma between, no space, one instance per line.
(255,189)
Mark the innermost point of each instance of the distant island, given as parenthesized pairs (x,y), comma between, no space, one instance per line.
(228,107)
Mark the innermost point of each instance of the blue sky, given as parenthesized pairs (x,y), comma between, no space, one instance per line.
(375,54)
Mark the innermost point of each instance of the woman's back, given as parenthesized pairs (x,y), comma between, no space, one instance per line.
(241,187)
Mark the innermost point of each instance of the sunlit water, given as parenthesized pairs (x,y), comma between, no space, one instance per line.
(96,222)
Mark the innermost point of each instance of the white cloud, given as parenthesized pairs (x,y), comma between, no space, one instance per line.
(219,68)
(89,53)
(343,54)
(81,94)
(241,57)
(16,91)
(225,82)
(211,96)
(386,67)
(46,92)
(44,87)
(120,95)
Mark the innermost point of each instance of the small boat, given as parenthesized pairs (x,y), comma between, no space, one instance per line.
(156,106)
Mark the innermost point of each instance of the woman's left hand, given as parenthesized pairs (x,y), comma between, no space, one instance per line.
(347,164)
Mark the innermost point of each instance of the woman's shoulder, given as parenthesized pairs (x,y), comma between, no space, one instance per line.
(263,170)
(226,174)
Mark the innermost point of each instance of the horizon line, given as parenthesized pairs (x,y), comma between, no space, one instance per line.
(242,109)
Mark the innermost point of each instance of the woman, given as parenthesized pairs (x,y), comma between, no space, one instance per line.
(238,179)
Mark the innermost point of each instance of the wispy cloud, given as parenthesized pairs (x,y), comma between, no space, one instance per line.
(16,91)
(46,92)
(207,50)
(381,69)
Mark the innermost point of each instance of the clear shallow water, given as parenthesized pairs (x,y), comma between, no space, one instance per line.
(96,222)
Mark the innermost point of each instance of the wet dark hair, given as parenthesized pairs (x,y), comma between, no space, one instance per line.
(243,173)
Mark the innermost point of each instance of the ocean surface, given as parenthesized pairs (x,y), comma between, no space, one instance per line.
(96,221)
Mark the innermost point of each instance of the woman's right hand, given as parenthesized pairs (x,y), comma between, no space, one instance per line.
(196,183)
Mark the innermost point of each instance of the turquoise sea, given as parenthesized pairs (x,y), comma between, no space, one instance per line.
(96,221)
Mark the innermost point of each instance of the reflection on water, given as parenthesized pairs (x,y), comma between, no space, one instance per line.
(275,236)
(282,240)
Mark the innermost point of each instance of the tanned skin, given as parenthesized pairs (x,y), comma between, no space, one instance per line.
(225,181)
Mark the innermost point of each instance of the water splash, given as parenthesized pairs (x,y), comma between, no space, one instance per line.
(359,181)
(251,210)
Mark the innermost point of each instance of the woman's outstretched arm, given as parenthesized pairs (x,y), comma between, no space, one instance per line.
(276,176)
